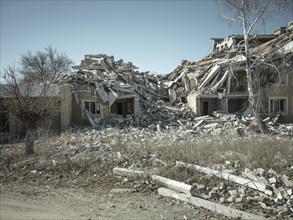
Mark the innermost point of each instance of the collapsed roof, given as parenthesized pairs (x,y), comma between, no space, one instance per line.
(213,73)
(112,78)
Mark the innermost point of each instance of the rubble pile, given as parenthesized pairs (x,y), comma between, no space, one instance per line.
(232,124)
(218,72)
(110,78)
(273,197)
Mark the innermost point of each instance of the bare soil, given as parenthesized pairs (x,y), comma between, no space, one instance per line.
(43,202)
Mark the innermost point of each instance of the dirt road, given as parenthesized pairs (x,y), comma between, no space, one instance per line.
(43,202)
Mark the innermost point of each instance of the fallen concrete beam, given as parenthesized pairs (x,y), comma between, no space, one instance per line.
(198,124)
(215,207)
(172,184)
(220,82)
(128,172)
(210,75)
(230,177)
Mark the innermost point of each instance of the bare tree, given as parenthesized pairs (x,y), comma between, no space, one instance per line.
(29,94)
(44,66)
(249,13)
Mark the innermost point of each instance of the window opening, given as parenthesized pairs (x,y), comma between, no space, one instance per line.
(278,105)
(92,107)
(4,122)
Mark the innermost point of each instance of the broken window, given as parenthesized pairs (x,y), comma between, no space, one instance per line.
(236,105)
(4,122)
(278,105)
(123,107)
(92,107)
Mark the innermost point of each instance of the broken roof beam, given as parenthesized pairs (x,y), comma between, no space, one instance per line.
(215,79)
(221,81)
(210,75)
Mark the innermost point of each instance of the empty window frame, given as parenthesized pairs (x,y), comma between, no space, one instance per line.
(278,104)
(92,106)
(4,122)
(123,107)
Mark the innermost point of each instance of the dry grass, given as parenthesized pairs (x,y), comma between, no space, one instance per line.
(53,159)
(251,152)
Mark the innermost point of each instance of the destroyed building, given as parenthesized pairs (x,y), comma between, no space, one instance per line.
(109,91)
(102,90)
(219,82)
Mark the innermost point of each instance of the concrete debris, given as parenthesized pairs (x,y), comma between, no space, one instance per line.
(278,203)
(127,97)
(277,197)
(115,80)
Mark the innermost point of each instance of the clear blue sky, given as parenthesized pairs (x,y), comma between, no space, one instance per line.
(154,35)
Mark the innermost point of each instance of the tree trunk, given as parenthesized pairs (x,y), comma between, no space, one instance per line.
(29,142)
(257,125)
